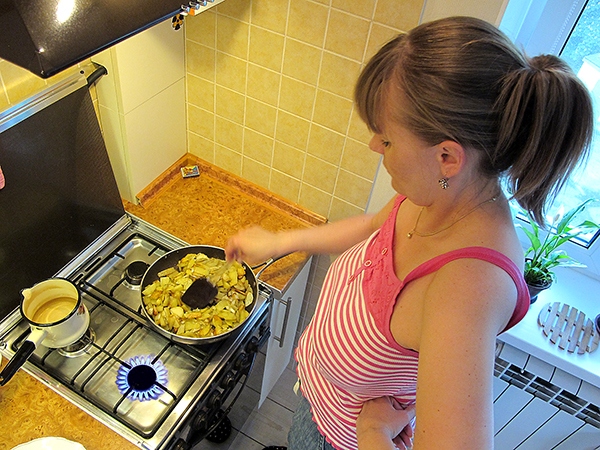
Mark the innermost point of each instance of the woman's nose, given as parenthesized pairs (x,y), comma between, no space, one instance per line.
(376,144)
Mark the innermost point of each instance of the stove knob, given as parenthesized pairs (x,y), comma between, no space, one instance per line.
(181,445)
(214,401)
(200,422)
(229,380)
(241,361)
(252,345)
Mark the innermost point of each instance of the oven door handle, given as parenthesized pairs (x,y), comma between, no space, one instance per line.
(286,317)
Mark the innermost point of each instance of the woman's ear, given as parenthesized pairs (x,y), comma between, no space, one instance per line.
(451,157)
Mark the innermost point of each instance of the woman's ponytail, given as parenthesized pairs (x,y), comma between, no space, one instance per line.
(545,128)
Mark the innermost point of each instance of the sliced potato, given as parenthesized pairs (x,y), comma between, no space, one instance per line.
(162,298)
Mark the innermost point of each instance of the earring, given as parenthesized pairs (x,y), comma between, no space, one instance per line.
(444,183)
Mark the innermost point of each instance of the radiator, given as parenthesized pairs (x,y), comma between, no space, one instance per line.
(540,407)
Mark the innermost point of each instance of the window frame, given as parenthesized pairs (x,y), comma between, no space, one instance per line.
(538,27)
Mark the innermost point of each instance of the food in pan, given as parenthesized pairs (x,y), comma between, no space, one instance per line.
(162,298)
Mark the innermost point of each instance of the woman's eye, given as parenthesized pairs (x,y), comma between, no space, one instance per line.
(385,143)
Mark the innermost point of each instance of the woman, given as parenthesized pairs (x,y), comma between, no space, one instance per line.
(410,312)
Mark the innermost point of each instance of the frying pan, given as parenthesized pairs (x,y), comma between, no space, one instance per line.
(171,259)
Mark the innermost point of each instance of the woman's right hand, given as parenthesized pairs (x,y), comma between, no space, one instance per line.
(252,245)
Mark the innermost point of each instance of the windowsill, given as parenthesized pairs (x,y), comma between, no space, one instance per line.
(576,290)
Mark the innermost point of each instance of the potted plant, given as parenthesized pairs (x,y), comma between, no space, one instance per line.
(544,254)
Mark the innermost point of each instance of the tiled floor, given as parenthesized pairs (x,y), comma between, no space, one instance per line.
(253,427)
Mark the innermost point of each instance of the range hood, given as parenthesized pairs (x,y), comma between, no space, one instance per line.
(48,36)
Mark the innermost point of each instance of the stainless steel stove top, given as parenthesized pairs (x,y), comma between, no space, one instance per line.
(124,372)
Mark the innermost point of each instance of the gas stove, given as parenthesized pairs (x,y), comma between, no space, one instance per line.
(68,221)
(155,392)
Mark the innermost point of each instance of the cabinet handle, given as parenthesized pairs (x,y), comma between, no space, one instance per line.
(287,303)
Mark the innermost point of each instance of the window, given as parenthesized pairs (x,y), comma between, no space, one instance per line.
(570,29)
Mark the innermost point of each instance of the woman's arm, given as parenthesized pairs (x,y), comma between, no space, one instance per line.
(467,304)
(256,244)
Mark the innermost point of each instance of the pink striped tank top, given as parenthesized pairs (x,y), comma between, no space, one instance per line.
(347,354)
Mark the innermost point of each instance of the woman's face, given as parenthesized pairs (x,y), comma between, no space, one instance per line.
(409,160)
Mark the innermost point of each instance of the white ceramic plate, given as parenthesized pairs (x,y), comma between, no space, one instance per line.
(50,443)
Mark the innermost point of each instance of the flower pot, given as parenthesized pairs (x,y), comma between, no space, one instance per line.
(535,289)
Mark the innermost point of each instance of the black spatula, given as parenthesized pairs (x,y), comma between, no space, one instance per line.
(200,294)
(203,291)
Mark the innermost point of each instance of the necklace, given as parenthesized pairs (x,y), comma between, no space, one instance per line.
(414,230)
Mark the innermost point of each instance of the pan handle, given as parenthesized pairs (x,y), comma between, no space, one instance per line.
(19,358)
(267,263)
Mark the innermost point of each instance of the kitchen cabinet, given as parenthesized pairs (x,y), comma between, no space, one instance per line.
(285,315)
(142,106)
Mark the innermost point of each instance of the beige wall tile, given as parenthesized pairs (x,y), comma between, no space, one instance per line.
(201,122)
(315,199)
(230,104)
(229,134)
(19,83)
(307,21)
(285,185)
(341,209)
(239,9)
(266,48)
(338,75)
(201,147)
(294,63)
(232,36)
(202,28)
(270,14)
(263,84)
(260,117)
(301,61)
(360,159)
(200,60)
(228,159)
(297,97)
(256,172)
(292,130)
(288,160)
(319,174)
(232,72)
(402,15)
(347,35)
(325,144)
(353,189)
(364,8)
(358,129)
(200,92)
(258,146)
(332,111)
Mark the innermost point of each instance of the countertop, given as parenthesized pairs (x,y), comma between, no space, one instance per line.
(200,210)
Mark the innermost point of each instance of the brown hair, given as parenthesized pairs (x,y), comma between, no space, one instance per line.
(461,79)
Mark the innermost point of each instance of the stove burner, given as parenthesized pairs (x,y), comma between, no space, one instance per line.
(135,272)
(79,347)
(142,379)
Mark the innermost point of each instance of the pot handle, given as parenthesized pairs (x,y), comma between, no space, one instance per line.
(17,361)
(267,263)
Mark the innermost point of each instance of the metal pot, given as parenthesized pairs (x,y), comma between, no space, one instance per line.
(171,259)
(57,318)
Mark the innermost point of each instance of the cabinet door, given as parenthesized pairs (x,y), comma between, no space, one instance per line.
(284,323)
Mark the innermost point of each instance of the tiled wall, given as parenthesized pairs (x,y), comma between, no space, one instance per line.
(269,90)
